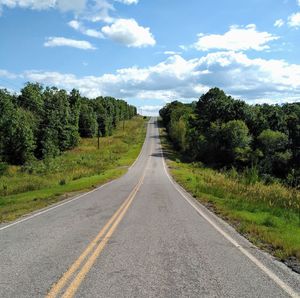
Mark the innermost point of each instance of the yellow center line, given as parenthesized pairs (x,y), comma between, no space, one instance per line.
(113,223)
(63,280)
(90,262)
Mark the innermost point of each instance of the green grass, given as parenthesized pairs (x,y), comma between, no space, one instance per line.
(268,215)
(31,187)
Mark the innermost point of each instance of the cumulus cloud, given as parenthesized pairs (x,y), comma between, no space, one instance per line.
(82,29)
(255,80)
(149,110)
(67,42)
(124,31)
(170,53)
(64,5)
(99,11)
(236,39)
(96,10)
(128,32)
(294,20)
(279,23)
(129,2)
(75,5)
(6,74)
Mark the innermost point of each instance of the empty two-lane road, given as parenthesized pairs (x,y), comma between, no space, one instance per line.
(138,236)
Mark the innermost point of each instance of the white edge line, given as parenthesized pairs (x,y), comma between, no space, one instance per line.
(69,201)
(54,207)
(267,271)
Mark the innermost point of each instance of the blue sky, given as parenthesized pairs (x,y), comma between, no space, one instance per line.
(150,52)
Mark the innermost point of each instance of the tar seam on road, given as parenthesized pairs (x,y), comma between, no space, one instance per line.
(112,224)
(262,267)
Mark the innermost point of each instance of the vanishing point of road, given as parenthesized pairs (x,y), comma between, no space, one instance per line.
(138,236)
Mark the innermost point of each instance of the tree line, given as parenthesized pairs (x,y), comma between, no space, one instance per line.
(41,122)
(224,133)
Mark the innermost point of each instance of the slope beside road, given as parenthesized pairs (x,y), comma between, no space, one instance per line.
(138,236)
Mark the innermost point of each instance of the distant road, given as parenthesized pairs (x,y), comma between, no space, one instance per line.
(138,236)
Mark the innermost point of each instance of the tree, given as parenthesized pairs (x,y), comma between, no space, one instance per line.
(226,144)
(273,144)
(31,98)
(17,141)
(55,128)
(73,126)
(22,142)
(224,132)
(87,121)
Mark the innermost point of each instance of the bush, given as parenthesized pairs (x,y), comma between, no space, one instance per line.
(62,182)
(3,168)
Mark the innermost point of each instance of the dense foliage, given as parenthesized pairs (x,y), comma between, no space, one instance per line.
(224,133)
(43,122)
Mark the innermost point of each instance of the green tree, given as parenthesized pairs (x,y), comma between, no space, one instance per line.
(87,121)
(22,142)
(274,144)
(31,98)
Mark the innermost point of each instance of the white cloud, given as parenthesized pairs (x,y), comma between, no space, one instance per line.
(75,24)
(171,53)
(73,5)
(6,74)
(149,110)
(99,11)
(95,11)
(81,28)
(129,33)
(129,2)
(299,2)
(64,5)
(279,23)
(294,20)
(255,80)
(66,42)
(236,39)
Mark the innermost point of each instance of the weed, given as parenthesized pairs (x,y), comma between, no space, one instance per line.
(78,169)
(3,168)
(267,212)
(62,182)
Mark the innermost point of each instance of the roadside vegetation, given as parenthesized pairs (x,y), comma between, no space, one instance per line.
(43,163)
(268,215)
(41,123)
(225,133)
(249,175)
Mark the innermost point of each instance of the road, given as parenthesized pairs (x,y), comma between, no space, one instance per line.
(138,236)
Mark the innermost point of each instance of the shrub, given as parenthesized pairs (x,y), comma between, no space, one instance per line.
(3,168)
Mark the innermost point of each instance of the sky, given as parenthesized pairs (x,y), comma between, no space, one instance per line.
(151,52)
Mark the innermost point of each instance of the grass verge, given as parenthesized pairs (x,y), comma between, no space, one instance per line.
(41,183)
(268,215)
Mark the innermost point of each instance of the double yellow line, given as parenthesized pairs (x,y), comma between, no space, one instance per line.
(91,253)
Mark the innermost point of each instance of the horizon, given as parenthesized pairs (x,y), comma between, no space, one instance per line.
(127,49)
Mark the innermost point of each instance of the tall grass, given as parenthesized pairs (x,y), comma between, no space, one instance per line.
(39,183)
(269,215)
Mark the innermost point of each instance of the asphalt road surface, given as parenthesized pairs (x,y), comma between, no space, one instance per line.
(138,236)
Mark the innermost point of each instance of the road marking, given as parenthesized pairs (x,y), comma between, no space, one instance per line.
(72,200)
(90,262)
(111,226)
(54,207)
(261,266)
(60,284)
